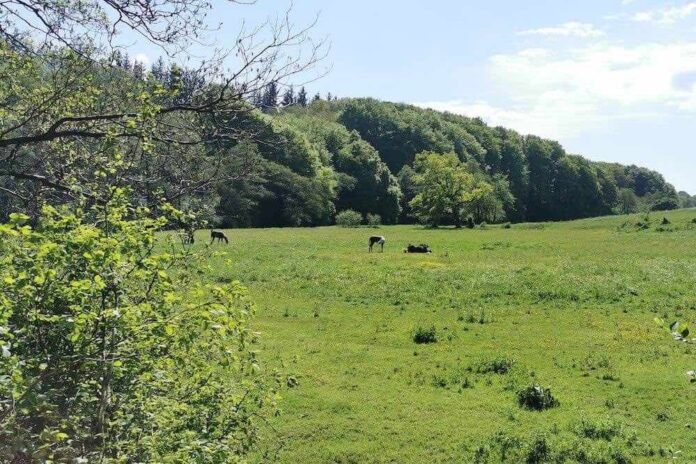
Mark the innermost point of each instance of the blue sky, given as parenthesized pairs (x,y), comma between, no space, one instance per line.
(613,80)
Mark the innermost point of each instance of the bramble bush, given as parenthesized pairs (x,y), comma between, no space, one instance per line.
(110,350)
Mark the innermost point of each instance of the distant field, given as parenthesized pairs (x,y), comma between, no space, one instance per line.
(572,304)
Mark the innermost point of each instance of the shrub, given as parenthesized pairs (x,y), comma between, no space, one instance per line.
(665,204)
(374,220)
(425,335)
(470,224)
(665,221)
(536,398)
(507,225)
(599,430)
(349,218)
(500,365)
(538,451)
(580,444)
(532,226)
(108,356)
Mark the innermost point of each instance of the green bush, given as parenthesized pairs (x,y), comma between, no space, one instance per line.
(536,398)
(600,429)
(665,204)
(374,220)
(499,365)
(109,357)
(425,335)
(349,218)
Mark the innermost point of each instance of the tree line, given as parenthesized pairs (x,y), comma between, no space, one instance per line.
(305,160)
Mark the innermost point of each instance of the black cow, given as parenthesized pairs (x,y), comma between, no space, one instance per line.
(218,235)
(376,239)
(422,248)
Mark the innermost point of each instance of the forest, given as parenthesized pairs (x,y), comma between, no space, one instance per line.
(305,161)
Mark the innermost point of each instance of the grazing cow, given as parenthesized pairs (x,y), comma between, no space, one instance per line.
(422,248)
(376,239)
(219,235)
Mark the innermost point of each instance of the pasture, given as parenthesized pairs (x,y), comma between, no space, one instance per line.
(568,306)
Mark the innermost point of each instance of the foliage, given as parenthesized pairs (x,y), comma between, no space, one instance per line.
(628,202)
(444,189)
(349,218)
(112,352)
(243,169)
(686,200)
(537,398)
(499,365)
(365,183)
(425,335)
(373,220)
(543,181)
(599,442)
(484,205)
(664,204)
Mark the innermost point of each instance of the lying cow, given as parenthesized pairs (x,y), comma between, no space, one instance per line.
(422,248)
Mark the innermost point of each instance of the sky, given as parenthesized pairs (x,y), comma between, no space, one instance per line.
(612,80)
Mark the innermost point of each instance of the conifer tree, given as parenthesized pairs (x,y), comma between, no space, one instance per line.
(270,97)
(289,97)
(302,97)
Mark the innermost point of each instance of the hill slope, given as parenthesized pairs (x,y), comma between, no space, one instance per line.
(357,154)
(546,182)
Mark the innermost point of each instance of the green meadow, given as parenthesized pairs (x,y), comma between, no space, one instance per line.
(568,306)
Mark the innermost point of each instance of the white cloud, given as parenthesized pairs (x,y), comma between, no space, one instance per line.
(619,74)
(564,94)
(569,29)
(668,15)
(541,118)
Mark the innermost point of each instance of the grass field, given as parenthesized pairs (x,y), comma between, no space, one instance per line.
(568,305)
